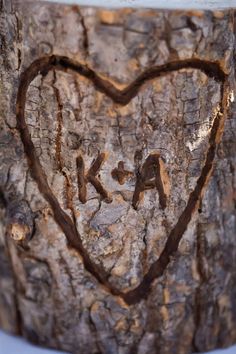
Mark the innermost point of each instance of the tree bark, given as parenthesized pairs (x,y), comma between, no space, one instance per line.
(117,178)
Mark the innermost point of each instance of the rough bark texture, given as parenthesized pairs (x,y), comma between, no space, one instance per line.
(118,214)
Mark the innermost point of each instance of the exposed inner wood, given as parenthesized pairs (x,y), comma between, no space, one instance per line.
(151,168)
(91,178)
(120,174)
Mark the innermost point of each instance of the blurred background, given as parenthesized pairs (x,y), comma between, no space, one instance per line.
(14,345)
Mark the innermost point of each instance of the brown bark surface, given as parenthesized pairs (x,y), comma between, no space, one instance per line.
(117,178)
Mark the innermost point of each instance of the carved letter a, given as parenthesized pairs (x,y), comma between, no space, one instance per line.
(152,175)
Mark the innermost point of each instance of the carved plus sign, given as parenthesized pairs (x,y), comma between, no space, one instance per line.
(120,174)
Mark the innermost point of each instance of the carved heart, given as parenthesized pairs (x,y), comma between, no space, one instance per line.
(121,97)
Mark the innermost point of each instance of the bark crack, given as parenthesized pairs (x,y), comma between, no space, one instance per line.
(85,34)
(204,274)
(59,159)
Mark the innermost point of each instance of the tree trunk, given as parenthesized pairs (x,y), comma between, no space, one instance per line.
(117,178)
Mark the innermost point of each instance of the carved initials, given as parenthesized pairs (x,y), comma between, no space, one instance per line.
(152,175)
(120,174)
(90,177)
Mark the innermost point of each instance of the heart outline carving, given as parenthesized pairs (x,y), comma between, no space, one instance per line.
(43,66)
